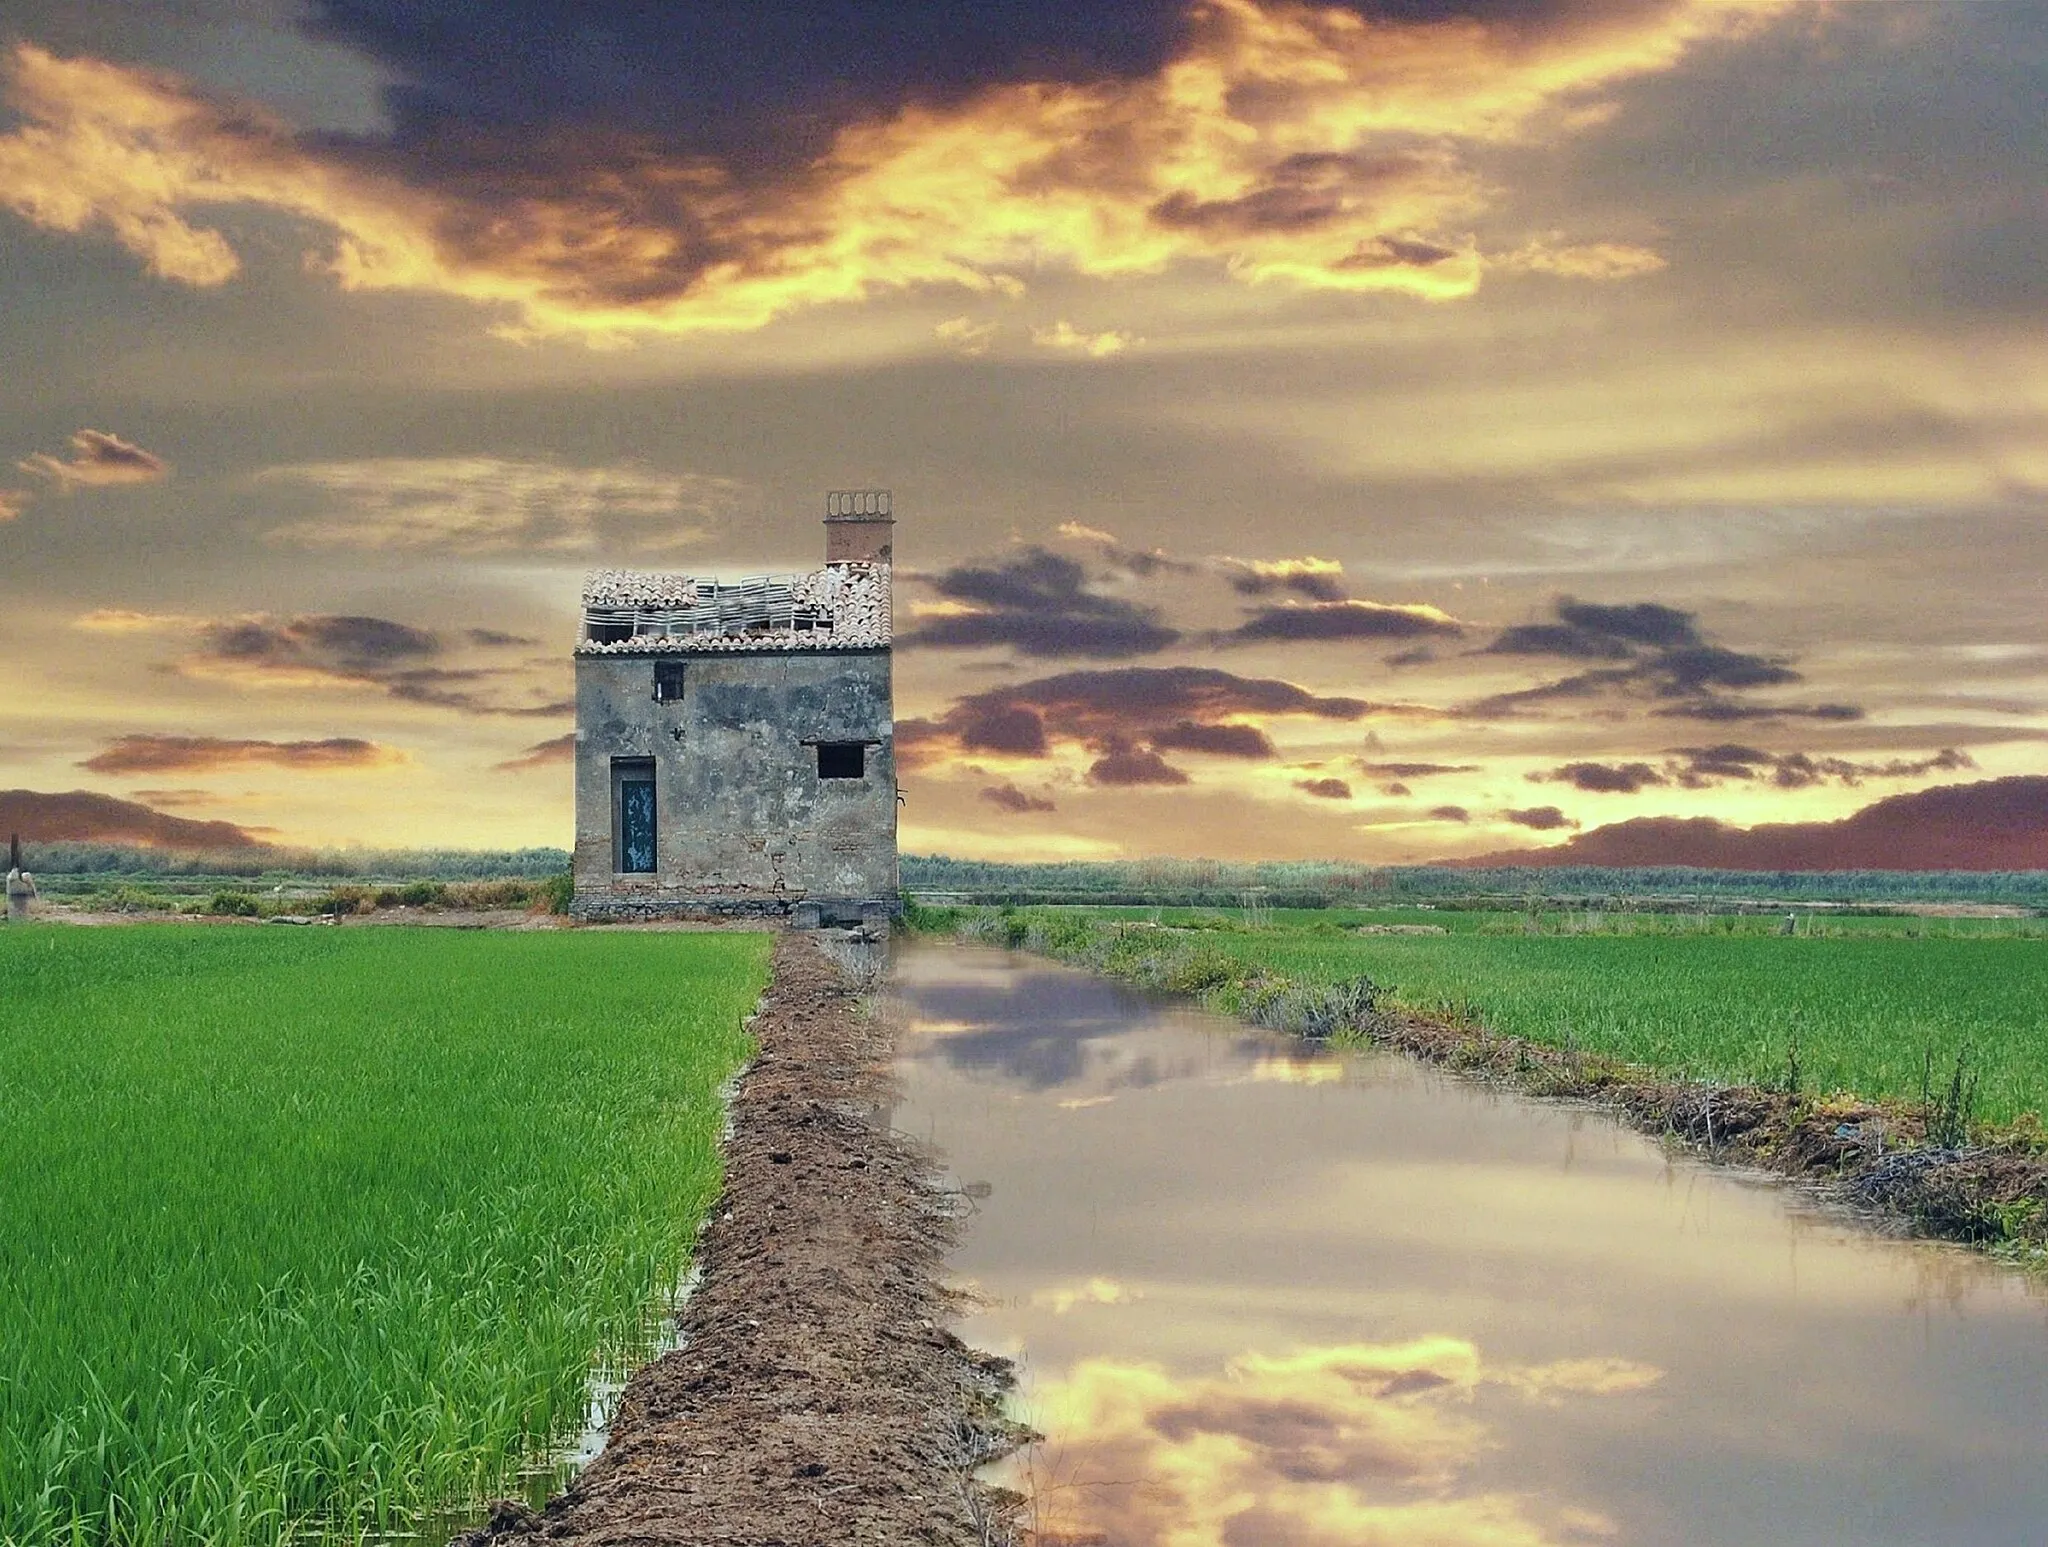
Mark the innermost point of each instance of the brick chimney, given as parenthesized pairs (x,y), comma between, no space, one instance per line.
(858,526)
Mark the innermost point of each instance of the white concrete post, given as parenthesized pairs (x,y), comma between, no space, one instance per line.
(21,891)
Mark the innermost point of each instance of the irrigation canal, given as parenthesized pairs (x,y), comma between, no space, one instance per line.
(1262,1294)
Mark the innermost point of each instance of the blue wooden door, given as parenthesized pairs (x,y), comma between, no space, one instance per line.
(636,825)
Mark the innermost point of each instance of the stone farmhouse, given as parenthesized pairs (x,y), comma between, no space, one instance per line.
(735,739)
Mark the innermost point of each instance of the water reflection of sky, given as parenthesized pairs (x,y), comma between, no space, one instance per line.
(1264,1295)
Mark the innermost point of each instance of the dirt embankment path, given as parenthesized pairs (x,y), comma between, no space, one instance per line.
(817,1397)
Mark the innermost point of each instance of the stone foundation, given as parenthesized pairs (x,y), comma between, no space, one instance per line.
(798,912)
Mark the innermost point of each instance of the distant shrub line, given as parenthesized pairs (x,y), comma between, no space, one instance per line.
(548,895)
(262,862)
(1318,883)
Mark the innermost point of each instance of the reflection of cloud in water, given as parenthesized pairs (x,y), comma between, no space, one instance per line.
(1281,1070)
(1326,1447)
(1038,1030)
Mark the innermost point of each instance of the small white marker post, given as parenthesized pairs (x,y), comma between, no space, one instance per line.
(21,886)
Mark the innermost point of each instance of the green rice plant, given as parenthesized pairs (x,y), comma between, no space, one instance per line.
(1868,1011)
(511,892)
(1860,1013)
(1951,1112)
(307,1234)
(128,899)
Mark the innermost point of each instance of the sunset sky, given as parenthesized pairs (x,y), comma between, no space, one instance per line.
(1387,430)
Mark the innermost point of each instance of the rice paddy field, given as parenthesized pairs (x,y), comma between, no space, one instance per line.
(1869,1004)
(309,1234)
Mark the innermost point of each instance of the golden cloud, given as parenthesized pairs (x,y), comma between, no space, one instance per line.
(483,504)
(1583,260)
(1322,1447)
(1068,339)
(1285,142)
(125,620)
(1062,1298)
(966,335)
(12,503)
(97,459)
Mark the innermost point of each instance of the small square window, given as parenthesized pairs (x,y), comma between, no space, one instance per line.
(668,682)
(842,760)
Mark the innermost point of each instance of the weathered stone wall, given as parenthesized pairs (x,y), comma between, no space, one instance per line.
(744,823)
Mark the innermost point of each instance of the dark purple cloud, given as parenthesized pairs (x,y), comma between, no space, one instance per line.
(342,644)
(1704,767)
(1009,798)
(1320,580)
(1558,639)
(1722,710)
(1134,765)
(1541,819)
(1012,728)
(403,661)
(1641,623)
(1594,631)
(1412,770)
(763,87)
(1127,716)
(1602,778)
(1246,741)
(149,754)
(1657,654)
(1695,668)
(1324,789)
(1156,696)
(1323,622)
(1038,603)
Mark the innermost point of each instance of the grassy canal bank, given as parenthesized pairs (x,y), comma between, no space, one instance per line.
(309,1233)
(1905,1060)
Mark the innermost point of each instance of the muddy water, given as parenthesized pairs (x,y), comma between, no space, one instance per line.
(1264,1296)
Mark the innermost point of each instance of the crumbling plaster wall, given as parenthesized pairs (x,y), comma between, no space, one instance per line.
(743,821)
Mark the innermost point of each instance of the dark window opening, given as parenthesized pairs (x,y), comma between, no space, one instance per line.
(608,633)
(842,760)
(633,815)
(668,682)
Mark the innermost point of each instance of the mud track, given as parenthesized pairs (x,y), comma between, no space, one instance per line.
(817,1397)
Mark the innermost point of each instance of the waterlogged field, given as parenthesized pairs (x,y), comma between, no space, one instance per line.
(306,1233)
(1867,1004)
